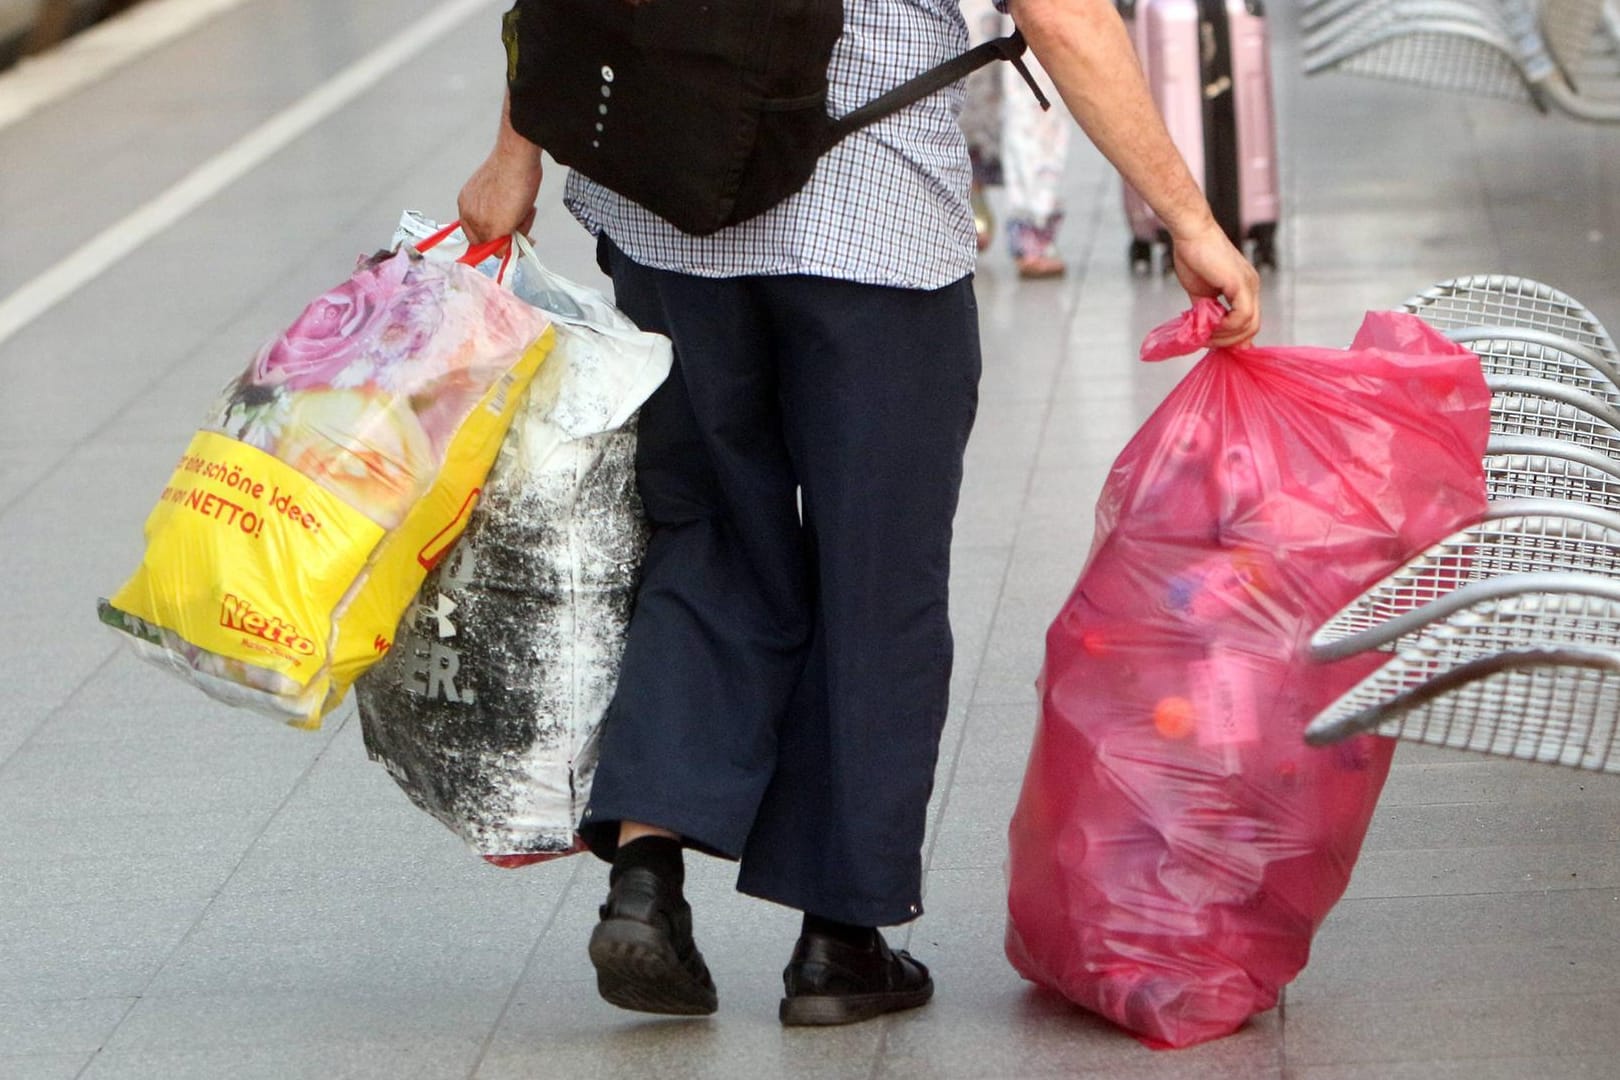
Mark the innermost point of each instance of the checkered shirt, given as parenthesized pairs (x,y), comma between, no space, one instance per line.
(887,206)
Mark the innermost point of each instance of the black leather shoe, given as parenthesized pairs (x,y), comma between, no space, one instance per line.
(643,950)
(832,982)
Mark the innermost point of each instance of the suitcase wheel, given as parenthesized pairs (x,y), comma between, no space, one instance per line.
(1167,259)
(1141,256)
(1265,247)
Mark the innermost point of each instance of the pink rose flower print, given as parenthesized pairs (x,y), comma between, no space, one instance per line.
(332,331)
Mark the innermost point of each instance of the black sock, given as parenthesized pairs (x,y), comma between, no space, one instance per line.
(660,854)
(862,937)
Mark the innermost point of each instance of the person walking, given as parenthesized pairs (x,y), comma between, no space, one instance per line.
(784,681)
(1015,144)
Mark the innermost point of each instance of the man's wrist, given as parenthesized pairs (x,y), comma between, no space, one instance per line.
(509,144)
(515,149)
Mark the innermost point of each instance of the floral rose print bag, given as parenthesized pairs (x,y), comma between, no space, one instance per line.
(329,478)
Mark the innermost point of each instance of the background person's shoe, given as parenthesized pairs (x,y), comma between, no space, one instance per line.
(832,982)
(643,950)
(1037,267)
(1034,247)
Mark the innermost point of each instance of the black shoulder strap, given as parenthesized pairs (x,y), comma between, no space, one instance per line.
(935,78)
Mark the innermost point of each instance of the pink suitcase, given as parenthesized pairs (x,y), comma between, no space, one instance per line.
(1208,64)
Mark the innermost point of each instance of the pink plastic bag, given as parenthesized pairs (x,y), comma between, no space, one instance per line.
(1176,844)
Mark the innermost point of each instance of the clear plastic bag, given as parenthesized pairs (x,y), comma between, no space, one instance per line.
(488,709)
(1176,844)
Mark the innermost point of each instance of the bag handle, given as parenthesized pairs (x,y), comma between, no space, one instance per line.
(1011,48)
(1186,333)
(475,253)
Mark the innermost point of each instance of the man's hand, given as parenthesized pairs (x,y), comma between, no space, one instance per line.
(1208,265)
(1086,49)
(499,197)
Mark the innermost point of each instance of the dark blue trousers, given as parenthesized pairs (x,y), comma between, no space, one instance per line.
(785,677)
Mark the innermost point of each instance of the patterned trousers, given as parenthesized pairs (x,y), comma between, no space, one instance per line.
(1013,141)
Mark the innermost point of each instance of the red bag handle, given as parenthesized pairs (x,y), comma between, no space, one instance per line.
(475,254)
(1186,333)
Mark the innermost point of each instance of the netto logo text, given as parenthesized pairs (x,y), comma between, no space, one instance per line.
(236,614)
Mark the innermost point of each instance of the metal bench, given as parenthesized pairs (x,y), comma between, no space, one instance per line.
(1484,302)
(1557,54)
(1504,638)
(1524,666)
(1516,536)
(1535,354)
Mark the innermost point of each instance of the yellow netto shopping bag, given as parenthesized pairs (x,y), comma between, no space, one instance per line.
(332,475)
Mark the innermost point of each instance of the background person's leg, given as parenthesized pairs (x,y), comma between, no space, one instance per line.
(1034,154)
(981,113)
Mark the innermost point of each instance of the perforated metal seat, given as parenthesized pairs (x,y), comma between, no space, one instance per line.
(1555,706)
(1583,38)
(1562,54)
(1480,302)
(1329,23)
(1523,467)
(1516,536)
(1506,635)
(1317,15)
(1461,56)
(1538,355)
(1525,665)
(1523,406)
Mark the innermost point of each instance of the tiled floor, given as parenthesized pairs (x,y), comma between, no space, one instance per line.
(188,892)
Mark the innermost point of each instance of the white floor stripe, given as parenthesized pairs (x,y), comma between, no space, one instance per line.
(36,81)
(213,176)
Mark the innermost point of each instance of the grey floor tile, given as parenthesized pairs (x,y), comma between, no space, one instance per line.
(59,1028)
(1012,657)
(161,833)
(113,779)
(36,875)
(433,1032)
(1471,778)
(987,515)
(563,1029)
(1442,871)
(1459,1027)
(995,744)
(131,700)
(17,728)
(59,951)
(310,850)
(973,830)
(1010,1030)
(356,941)
(1008,432)
(52,665)
(1495,944)
(1550,1067)
(353,1057)
(43,1066)
(24,465)
(1550,820)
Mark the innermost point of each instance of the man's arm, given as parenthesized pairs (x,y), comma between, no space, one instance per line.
(499,197)
(1085,47)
